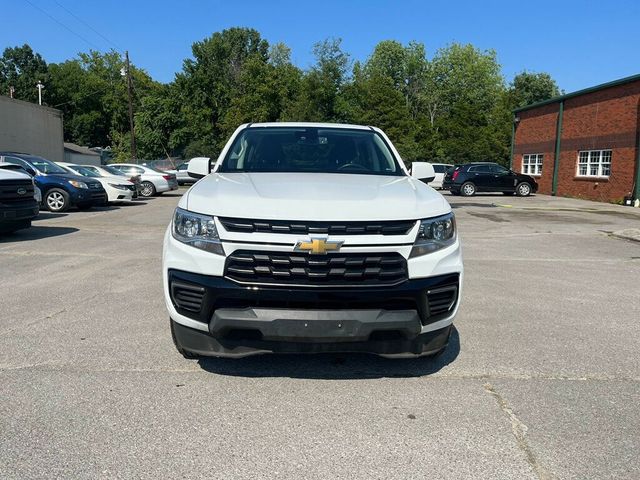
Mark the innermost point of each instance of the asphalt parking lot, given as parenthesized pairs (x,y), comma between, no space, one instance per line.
(541,379)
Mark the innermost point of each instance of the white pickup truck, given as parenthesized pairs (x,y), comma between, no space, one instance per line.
(311,237)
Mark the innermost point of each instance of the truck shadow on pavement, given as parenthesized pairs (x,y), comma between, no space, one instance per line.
(346,366)
(35,233)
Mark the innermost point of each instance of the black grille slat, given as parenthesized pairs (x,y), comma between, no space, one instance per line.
(441,300)
(241,225)
(333,269)
(187,296)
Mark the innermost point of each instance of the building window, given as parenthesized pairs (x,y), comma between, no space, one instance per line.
(594,163)
(532,163)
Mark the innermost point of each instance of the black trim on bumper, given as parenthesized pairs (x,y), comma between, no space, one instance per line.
(202,343)
(199,296)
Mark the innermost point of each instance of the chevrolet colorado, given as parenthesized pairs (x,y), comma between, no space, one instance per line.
(310,237)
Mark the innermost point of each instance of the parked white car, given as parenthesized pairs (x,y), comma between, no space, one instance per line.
(107,171)
(154,182)
(118,189)
(441,170)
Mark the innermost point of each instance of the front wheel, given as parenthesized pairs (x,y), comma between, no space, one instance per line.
(57,200)
(468,189)
(523,190)
(148,189)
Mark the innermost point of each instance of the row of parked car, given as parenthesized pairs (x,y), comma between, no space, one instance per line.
(29,182)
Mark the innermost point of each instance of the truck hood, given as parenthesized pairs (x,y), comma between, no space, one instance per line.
(7,174)
(314,196)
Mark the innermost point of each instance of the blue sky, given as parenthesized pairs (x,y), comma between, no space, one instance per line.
(580,43)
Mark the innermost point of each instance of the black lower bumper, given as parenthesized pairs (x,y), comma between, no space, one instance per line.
(242,319)
(16,217)
(205,344)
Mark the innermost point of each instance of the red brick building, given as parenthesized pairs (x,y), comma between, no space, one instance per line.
(583,144)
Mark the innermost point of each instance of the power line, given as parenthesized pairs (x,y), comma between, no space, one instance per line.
(62,24)
(87,25)
(102,90)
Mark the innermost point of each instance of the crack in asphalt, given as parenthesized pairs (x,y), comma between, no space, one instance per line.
(62,367)
(52,315)
(520,432)
(23,325)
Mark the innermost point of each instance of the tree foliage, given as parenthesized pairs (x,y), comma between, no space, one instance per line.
(527,88)
(453,105)
(21,69)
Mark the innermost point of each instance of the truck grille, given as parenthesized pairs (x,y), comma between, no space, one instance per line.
(356,269)
(9,191)
(396,227)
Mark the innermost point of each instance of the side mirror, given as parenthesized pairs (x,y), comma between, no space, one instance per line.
(423,171)
(31,171)
(199,167)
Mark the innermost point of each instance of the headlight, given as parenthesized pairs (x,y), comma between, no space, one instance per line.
(77,184)
(196,230)
(119,187)
(435,234)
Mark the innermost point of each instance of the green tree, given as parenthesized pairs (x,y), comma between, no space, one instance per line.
(383,92)
(158,124)
(92,94)
(528,87)
(462,98)
(264,90)
(210,81)
(321,86)
(21,69)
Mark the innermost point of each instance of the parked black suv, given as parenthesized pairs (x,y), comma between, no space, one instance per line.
(475,177)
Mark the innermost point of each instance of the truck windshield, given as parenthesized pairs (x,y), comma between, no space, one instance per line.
(307,149)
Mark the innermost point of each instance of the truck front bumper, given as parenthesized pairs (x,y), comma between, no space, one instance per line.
(224,318)
(205,344)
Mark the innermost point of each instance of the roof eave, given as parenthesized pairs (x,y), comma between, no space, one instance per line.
(584,91)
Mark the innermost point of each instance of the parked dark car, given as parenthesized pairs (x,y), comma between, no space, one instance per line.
(60,189)
(475,177)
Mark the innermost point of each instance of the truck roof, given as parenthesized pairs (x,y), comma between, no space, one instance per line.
(309,124)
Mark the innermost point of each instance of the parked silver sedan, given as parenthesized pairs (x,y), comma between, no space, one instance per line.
(181,174)
(154,182)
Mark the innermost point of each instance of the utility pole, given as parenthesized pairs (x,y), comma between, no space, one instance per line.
(40,87)
(129,91)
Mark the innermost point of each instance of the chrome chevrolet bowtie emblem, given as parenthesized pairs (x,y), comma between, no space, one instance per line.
(318,246)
